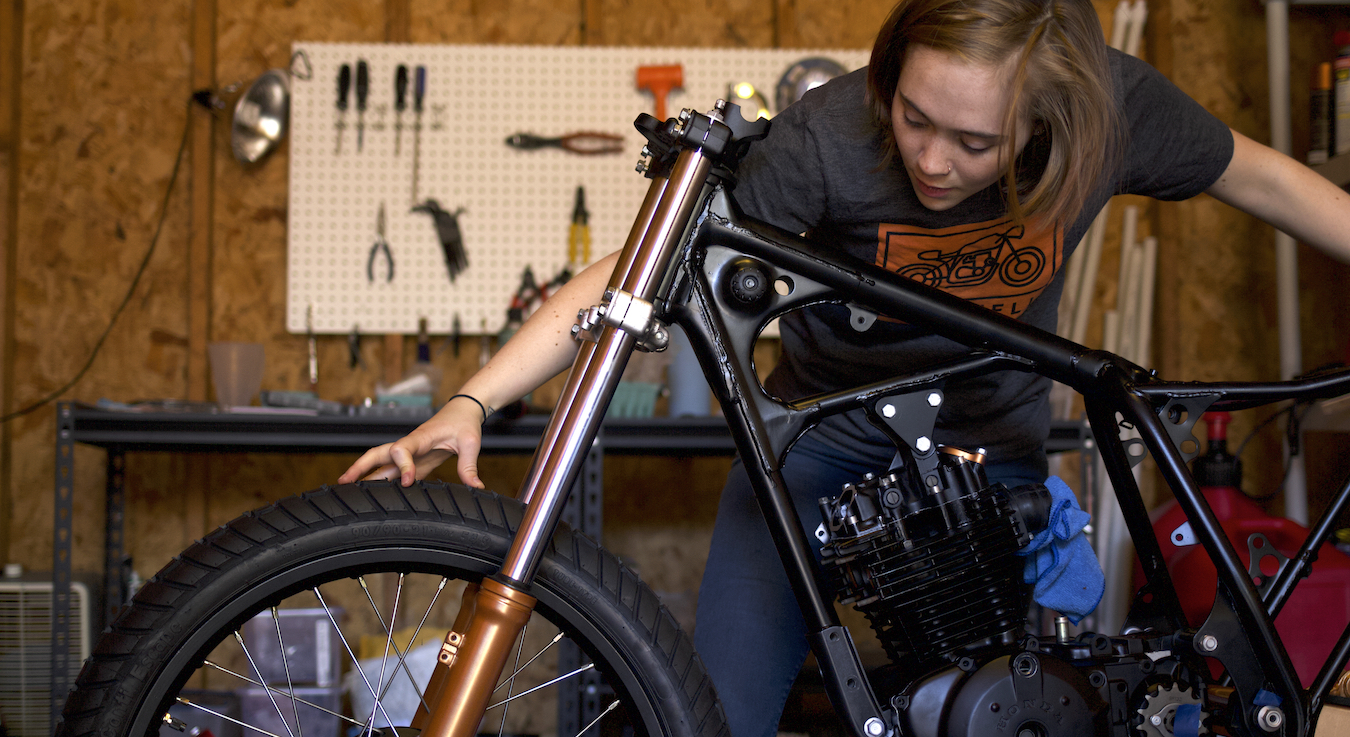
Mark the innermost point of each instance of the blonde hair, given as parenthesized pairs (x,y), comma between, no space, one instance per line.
(1061,82)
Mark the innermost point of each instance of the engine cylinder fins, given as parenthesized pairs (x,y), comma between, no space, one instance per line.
(948,593)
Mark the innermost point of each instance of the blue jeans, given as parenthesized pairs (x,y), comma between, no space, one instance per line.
(750,631)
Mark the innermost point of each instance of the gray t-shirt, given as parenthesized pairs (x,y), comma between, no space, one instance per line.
(818,173)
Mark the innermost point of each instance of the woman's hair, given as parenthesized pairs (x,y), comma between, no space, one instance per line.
(1061,82)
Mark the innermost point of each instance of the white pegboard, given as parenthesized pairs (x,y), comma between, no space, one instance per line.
(517,204)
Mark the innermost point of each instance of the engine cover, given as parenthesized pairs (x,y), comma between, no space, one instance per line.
(1024,694)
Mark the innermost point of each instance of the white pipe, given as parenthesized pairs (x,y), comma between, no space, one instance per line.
(1087,290)
(1129,309)
(1286,251)
(1134,39)
(1144,343)
(1120,24)
(1073,278)
(1111,331)
(1129,233)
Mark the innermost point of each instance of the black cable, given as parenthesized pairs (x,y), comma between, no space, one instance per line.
(1291,431)
(131,291)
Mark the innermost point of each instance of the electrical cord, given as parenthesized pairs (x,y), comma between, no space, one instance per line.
(1292,435)
(131,291)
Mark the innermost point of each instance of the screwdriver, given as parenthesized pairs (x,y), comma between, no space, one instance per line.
(344,86)
(400,104)
(362,87)
(579,237)
(419,92)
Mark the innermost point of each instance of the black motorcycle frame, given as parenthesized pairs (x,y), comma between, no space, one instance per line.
(723,328)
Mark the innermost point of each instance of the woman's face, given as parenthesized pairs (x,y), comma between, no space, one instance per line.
(947,116)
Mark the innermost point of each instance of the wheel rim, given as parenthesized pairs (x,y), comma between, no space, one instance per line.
(379,586)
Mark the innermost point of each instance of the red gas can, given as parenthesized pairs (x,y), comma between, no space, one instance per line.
(1319,608)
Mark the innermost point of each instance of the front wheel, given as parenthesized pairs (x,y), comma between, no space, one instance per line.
(320,616)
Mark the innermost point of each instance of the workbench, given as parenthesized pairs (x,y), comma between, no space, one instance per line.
(122,432)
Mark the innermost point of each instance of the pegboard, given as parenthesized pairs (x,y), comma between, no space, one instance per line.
(517,205)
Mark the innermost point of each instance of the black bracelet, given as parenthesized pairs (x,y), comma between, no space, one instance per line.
(471,399)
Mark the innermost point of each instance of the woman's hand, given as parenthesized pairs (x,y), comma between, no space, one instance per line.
(457,429)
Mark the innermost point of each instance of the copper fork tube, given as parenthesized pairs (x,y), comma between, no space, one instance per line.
(499,614)
(441,670)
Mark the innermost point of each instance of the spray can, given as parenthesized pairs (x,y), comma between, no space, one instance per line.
(1341,70)
(1320,143)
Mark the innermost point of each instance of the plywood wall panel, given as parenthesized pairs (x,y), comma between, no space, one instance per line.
(104,96)
(701,23)
(822,24)
(489,21)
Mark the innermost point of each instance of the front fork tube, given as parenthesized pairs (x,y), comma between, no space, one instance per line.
(471,664)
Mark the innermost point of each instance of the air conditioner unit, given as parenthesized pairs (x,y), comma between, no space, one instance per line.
(25,651)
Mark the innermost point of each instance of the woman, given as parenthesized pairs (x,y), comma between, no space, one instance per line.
(972,154)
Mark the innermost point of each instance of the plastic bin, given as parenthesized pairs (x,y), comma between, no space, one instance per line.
(257,709)
(313,649)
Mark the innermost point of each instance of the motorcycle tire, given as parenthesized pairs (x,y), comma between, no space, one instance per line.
(170,636)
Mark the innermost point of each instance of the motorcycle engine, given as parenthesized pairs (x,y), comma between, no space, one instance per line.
(932,563)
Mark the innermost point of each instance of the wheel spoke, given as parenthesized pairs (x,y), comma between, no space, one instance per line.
(293,698)
(240,639)
(556,639)
(515,668)
(226,717)
(388,640)
(596,721)
(286,666)
(544,685)
(351,654)
(402,656)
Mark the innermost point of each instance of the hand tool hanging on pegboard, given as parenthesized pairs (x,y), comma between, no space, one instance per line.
(447,230)
(585,143)
(380,248)
(400,104)
(344,86)
(362,90)
(579,235)
(419,92)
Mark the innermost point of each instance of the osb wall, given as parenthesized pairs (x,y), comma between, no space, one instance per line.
(103,94)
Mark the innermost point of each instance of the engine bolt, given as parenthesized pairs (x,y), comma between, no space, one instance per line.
(888,411)
(1209,643)
(1270,718)
(923,444)
(1156,719)
(874,727)
(934,399)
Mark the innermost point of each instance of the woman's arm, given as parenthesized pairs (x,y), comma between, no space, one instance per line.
(1288,195)
(536,353)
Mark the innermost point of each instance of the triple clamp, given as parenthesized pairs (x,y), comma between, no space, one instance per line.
(622,311)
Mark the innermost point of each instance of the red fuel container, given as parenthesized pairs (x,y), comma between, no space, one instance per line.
(1318,610)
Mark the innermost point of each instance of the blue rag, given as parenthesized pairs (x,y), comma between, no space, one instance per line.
(1060,561)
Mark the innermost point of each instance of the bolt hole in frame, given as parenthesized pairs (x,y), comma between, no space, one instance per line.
(685,263)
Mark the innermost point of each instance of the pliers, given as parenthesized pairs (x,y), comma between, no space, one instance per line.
(381,245)
(585,143)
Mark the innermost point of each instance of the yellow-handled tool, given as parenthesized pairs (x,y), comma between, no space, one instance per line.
(579,238)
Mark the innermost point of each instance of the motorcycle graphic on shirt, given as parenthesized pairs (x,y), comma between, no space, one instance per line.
(1000,264)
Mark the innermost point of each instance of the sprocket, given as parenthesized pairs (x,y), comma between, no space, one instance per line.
(1159,713)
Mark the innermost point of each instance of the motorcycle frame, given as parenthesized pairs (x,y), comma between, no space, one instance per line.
(686,242)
